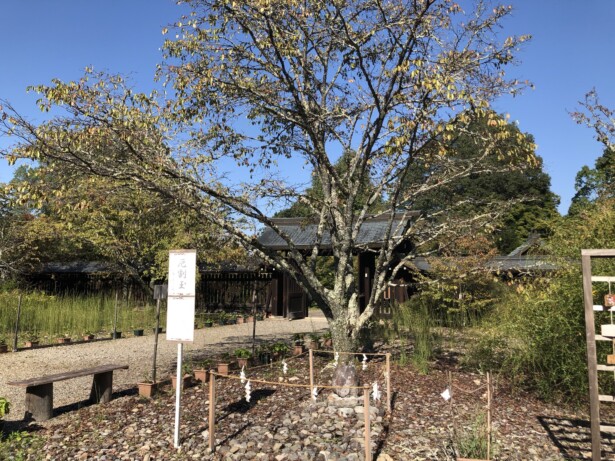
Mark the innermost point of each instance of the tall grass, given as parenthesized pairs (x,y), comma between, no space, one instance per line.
(412,323)
(49,316)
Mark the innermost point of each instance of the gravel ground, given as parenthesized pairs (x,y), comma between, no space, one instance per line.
(134,351)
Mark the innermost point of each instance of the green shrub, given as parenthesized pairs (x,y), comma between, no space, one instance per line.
(243,353)
(539,340)
(21,446)
(472,442)
(5,407)
(279,348)
(486,353)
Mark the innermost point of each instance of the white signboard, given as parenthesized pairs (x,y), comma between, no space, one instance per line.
(180,319)
(180,302)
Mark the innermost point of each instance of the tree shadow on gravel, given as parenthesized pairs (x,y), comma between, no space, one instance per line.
(88,403)
(241,406)
(572,437)
(234,434)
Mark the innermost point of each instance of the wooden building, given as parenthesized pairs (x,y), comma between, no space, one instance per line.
(290,300)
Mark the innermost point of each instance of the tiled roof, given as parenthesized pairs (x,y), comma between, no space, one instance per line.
(302,232)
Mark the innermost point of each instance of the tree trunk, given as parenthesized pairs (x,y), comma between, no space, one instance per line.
(345,374)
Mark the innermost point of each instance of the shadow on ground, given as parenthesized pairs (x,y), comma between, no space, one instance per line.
(573,438)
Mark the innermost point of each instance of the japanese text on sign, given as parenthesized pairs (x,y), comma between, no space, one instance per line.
(182,273)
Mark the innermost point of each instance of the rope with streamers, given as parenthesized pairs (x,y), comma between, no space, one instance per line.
(457,388)
(278,383)
(376,354)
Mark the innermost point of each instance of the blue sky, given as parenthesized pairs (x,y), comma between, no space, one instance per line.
(572,51)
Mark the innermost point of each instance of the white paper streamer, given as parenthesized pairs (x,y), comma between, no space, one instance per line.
(446,395)
(248,391)
(314,393)
(364,362)
(242,376)
(284,367)
(375,392)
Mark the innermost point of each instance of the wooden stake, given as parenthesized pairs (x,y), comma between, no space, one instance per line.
(17,324)
(311,372)
(488,416)
(115,317)
(388,380)
(156,340)
(212,410)
(254,321)
(368,435)
(450,391)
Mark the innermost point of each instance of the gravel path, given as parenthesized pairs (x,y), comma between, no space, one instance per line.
(134,351)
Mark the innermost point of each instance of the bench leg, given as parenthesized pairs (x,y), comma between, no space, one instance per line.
(39,402)
(102,387)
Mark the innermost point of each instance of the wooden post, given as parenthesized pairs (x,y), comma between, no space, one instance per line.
(388,380)
(156,340)
(592,366)
(311,372)
(212,410)
(115,317)
(17,324)
(368,436)
(488,416)
(254,320)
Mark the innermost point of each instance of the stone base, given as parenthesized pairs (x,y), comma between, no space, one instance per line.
(337,401)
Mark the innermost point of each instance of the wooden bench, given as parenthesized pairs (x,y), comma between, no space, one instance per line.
(39,391)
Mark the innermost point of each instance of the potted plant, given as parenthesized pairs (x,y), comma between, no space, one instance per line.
(137,331)
(147,388)
(220,318)
(240,320)
(3,345)
(201,371)
(186,376)
(327,339)
(88,336)
(250,318)
(32,340)
(243,355)
(223,368)
(116,334)
(264,354)
(64,339)
(313,344)
(159,329)
(209,323)
(298,339)
(260,316)
(279,349)
(229,319)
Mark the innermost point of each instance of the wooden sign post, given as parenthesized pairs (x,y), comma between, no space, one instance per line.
(180,314)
